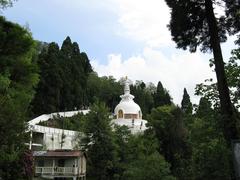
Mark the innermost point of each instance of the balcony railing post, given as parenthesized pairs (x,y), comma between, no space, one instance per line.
(53,167)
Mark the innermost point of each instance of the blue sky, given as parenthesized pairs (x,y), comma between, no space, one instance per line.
(121,37)
(91,24)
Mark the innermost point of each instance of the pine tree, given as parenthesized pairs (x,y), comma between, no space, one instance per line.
(143,97)
(64,73)
(48,97)
(66,63)
(186,103)
(193,23)
(161,97)
(204,108)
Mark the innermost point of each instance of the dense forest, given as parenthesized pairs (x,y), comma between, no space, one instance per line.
(189,141)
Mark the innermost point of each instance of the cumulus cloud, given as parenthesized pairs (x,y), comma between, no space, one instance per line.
(178,71)
(144,21)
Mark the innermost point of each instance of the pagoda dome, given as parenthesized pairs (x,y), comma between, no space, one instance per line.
(127,108)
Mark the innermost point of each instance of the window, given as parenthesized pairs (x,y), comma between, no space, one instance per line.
(120,114)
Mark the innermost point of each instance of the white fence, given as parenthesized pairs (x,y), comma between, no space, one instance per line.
(56,170)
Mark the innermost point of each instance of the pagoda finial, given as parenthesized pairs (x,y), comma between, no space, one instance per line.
(126,82)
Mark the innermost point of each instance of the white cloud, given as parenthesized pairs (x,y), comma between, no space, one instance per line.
(181,70)
(144,20)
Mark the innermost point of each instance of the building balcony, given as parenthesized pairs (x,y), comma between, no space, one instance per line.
(57,171)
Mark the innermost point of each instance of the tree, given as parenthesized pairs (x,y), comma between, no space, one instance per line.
(18,77)
(142,159)
(193,23)
(48,97)
(5,3)
(105,89)
(75,71)
(209,89)
(122,137)
(101,147)
(167,123)
(149,167)
(186,103)
(143,97)
(209,145)
(63,81)
(204,108)
(161,96)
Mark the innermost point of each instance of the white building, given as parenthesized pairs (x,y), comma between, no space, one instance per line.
(127,112)
(60,164)
(48,138)
(53,149)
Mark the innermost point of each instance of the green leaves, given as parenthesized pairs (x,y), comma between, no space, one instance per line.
(161,96)
(18,77)
(63,78)
(100,145)
(186,103)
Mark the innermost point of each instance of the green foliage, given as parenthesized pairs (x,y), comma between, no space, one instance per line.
(189,23)
(143,149)
(149,167)
(161,96)
(208,144)
(100,146)
(193,24)
(47,98)
(209,89)
(63,78)
(18,76)
(143,97)
(6,3)
(211,160)
(75,123)
(104,89)
(167,123)
(186,103)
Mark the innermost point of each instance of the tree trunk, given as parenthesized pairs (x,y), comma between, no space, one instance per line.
(227,110)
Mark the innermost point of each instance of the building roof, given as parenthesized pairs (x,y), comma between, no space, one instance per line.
(58,153)
(46,117)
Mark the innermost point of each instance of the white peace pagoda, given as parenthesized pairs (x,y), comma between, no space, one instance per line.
(127,112)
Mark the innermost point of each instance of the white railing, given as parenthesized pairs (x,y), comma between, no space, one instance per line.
(56,170)
(45,117)
(50,130)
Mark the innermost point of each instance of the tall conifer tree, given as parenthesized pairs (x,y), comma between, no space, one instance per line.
(186,103)
(64,75)
(48,97)
(161,96)
(193,23)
